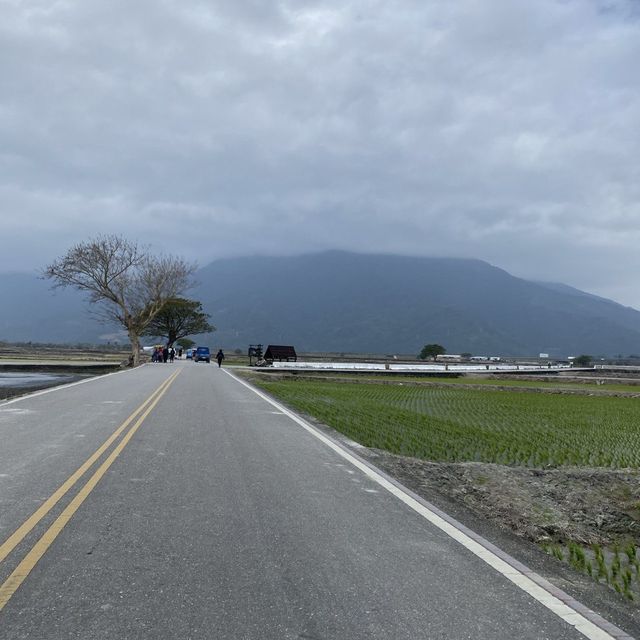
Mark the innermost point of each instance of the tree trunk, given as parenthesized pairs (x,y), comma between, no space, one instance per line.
(134,339)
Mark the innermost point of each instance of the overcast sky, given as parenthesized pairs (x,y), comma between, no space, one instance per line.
(506,130)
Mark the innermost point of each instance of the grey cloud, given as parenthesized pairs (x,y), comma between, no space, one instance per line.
(496,129)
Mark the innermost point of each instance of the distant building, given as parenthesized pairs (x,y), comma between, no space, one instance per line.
(280,352)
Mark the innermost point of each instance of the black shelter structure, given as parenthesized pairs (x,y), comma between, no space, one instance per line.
(280,353)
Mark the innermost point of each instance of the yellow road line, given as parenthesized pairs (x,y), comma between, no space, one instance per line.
(19,534)
(25,567)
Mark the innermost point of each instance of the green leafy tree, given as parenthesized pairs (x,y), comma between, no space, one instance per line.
(179,318)
(127,284)
(185,343)
(431,351)
(582,361)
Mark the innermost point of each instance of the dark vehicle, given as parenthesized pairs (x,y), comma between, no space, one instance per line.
(201,353)
(189,354)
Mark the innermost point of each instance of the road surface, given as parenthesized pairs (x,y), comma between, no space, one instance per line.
(173,502)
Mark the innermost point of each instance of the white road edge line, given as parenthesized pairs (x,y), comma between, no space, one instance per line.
(572,617)
(66,386)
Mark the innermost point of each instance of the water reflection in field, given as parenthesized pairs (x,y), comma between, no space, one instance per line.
(31,379)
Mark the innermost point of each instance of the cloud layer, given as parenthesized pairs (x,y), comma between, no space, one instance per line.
(505,130)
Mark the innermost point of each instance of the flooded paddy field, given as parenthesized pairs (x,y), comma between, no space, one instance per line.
(13,384)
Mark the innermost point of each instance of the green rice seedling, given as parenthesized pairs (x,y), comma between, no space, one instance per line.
(615,568)
(598,556)
(577,556)
(630,550)
(602,569)
(616,553)
(589,568)
(558,553)
(626,584)
(581,559)
(460,424)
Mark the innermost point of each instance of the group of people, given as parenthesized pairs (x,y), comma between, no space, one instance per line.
(168,354)
(165,354)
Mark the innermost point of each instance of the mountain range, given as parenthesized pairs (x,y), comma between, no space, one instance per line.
(358,303)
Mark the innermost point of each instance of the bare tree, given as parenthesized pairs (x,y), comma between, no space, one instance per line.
(130,284)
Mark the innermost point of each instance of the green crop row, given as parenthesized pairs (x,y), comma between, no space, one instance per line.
(458,424)
(618,567)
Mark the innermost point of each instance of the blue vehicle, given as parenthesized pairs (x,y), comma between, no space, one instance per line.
(201,353)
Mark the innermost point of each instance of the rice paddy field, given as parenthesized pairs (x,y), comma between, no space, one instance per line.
(457,424)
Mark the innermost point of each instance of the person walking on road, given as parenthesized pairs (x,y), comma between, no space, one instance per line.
(220,357)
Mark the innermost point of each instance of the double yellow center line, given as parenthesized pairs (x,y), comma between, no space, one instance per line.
(13,582)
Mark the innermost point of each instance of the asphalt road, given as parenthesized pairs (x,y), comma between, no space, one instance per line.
(221,517)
